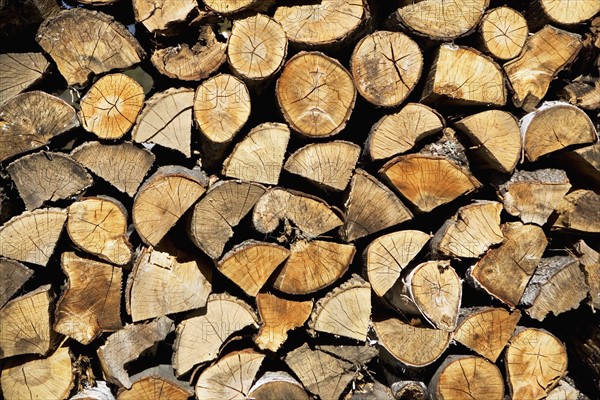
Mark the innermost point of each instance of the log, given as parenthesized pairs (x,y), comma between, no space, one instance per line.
(583,92)
(386,67)
(358,355)
(370,391)
(583,162)
(161,17)
(585,346)
(90,302)
(503,33)
(561,12)
(156,383)
(277,385)
(13,275)
(589,259)
(579,211)
(564,391)
(409,390)
(99,392)
(229,7)
(19,72)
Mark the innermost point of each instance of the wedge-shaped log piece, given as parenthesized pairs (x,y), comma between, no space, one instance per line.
(533,195)
(163,283)
(399,132)
(463,76)
(98,225)
(278,316)
(163,199)
(329,165)
(470,232)
(122,165)
(13,276)
(30,120)
(228,7)
(160,16)
(535,363)
(85,43)
(259,156)
(127,344)
(167,120)
(25,323)
(388,255)
(313,265)
(199,339)
(250,264)
(583,162)
(583,92)
(503,32)
(19,71)
(91,301)
(486,330)
(231,377)
(32,236)
(370,207)
(579,211)
(505,271)
(428,181)
(359,355)
(277,385)
(156,383)
(545,54)
(590,262)
(563,12)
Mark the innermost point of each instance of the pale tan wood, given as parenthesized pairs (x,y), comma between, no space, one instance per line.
(13,276)
(91,301)
(564,391)
(579,211)
(156,383)
(369,391)
(503,32)
(83,43)
(358,355)
(231,6)
(564,12)
(277,385)
(99,392)
(19,71)
(590,262)
(160,16)
(583,92)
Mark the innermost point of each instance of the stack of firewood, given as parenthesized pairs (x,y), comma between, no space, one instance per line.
(248,199)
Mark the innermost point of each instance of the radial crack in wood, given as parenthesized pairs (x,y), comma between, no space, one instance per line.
(19,71)
(13,276)
(579,211)
(277,385)
(156,383)
(161,16)
(503,32)
(565,12)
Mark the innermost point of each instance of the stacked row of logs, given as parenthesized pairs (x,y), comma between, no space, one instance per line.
(246,199)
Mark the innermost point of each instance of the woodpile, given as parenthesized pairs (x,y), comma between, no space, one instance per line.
(297,199)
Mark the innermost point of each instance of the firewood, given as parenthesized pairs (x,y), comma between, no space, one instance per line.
(503,32)
(111,106)
(30,120)
(32,236)
(277,385)
(590,262)
(329,165)
(387,256)
(399,132)
(478,81)
(127,344)
(250,264)
(219,212)
(278,316)
(370,207)
(358,355)
(259,156)
(122,165)
(231,377)
(555,126)
(505,271)
(583,92)
(99,392)
(486,330)
(20,71)
(104,46)
(316,94)
(496,136)
(90,303)
(561,12)
(228,7)
(409,390)
(558,285)
(545,54)
(470,376)
(370,391)
(386,67)
(166,120)
(409,345)
(199,339)
(163,283)
(535,362)
(163,199)
(13,275)
(25,323)
(579,211)
(156,383)
(564,391)
(583,162)
(585,346)
(30,378)
(159,17)
(345,311)
(470,232)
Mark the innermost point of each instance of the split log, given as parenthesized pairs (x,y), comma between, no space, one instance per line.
(316,94)
(278,316)
(13,275)
(20,71)
(228,7)
(111,106)
(505,271)
(399,132)
(386,67)
(545,54)
(259,156)
(219,212)
(358,355)
(503,32)
(478,81)
(387,256)
(370,207)
(122,165)
(90,303)
(583,92)
(329,165)
(156,383)
(163,199)
(32,236)
(160,17)
(30,120)
(535,363)
(583,162)
(564,391)
(409,390)
(470,376)
(486,330)
(83,43)
(370,391)
(275,386)
(163,283)
(590,262)
(166,120)
(99,392)
(199,339)
(563,12)
(579,211)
